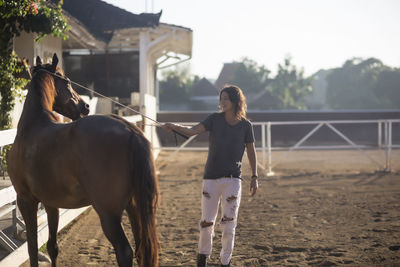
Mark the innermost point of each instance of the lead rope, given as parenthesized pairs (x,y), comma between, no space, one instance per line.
(158,124)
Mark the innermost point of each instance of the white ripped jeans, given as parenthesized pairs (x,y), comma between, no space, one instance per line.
(229,191)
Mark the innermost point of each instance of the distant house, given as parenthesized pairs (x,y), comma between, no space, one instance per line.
(205,96)
(262,100)
(227,74)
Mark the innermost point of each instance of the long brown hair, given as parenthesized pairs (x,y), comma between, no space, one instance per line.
(238,99)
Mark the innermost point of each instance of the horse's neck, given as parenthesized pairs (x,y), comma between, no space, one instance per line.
(33,114)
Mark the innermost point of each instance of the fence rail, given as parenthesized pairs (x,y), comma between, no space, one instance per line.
(384,140)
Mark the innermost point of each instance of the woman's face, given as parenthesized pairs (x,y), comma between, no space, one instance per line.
(225,103)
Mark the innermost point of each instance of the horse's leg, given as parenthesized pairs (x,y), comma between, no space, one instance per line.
(111,225)
(132,214)
(52,220)
(28,211)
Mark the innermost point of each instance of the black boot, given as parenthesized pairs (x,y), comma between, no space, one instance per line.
(201,260)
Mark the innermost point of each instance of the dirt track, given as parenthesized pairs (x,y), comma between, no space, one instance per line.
(323,209)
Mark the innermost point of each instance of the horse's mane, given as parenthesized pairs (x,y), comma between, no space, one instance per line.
(43,85)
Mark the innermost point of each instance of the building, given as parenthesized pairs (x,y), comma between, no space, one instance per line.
(227,74)
(115,52)
(205,96)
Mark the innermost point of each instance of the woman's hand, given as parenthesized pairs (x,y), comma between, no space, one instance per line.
(253,186)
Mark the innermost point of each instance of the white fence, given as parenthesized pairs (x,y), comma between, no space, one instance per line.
(19,254)
(384,130)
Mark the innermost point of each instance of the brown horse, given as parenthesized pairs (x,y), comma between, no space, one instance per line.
(103,161)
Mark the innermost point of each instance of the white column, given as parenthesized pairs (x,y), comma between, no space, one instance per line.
(143,79)
(269,146)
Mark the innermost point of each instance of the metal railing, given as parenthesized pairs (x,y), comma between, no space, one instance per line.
(384,140)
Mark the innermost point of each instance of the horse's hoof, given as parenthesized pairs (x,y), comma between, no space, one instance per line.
(43,257)
(21,234)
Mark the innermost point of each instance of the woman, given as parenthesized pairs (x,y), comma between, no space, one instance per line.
(230,134)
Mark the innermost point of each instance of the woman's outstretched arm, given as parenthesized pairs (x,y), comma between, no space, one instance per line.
(197,129)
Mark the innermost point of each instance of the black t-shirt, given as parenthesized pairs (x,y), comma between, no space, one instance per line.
(226,146)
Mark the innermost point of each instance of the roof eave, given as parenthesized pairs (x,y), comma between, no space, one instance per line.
(80,37)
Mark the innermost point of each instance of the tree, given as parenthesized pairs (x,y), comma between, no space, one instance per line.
(287,90)
(290,86)
(363,84)
(250,77)
(387,88)
(17,16)
(176,85)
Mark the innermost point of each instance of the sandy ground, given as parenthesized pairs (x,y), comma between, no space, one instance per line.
(327,208)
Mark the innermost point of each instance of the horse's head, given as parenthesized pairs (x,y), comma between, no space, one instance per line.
(67,102)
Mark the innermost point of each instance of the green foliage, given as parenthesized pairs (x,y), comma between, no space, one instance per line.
(250,76)
(17,16)
(7,81)
(10,87)
(287,90)
(176,85)
(3,158)
(364,84)
(38,16)
(387,88)
(173,90)
(43,248)
(290,86)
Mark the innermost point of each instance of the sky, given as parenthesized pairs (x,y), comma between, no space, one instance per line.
(316,34)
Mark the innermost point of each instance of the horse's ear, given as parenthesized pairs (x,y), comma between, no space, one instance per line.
(38,61)
(54,63)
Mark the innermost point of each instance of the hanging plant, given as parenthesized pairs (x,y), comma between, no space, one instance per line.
(16,16)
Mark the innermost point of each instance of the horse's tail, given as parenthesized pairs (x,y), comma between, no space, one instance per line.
(145,201)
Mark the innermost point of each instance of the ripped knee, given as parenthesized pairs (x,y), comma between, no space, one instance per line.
(204,224)
(226,219)
(231,198)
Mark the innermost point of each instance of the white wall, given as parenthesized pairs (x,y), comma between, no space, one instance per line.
(16,112)
(25,46)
